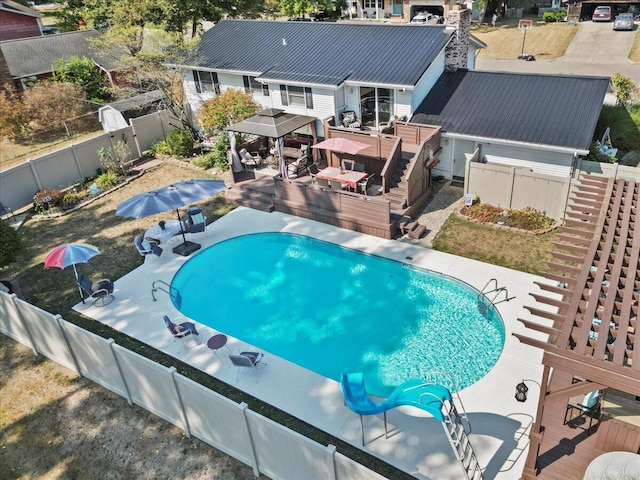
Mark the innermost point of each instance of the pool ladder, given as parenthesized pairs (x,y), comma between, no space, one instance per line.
(173,292)
(484,294)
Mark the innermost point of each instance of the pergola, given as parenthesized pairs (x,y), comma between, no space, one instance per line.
(272,123)
(589,311)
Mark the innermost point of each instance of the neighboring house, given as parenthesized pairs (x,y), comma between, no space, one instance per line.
(380,71)
(539,122)
(18,21)
(31,59)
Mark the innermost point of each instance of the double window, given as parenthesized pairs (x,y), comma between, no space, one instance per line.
(296,96)
(251,85)
(206,82)
(372,4)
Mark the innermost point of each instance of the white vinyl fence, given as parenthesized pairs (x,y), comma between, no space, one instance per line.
(70,165)
(266,446)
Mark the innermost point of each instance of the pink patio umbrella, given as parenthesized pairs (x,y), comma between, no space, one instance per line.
(341,145)
(70,254)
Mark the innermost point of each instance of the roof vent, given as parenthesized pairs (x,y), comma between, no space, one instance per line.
(284,42)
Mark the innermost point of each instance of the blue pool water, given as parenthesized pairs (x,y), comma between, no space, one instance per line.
(334,310)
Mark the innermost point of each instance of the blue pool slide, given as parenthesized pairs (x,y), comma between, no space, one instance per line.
(415,393)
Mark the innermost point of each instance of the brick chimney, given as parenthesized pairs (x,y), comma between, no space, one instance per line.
(456,53)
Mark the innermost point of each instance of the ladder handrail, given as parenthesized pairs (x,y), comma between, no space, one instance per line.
(482,292)
(454,394)
(498,291)
(168,291)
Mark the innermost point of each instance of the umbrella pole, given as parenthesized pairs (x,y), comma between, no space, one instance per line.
(186,248)
(79,289)
(184,239)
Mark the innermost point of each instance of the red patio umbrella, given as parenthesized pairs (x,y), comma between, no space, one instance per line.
(342,145)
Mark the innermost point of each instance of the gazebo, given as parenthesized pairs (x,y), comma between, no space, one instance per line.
(271,123)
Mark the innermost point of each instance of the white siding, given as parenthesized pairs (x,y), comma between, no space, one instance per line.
(427,81)
(323,104)
(539,161)
(445,159)
(403,104)
(471,57)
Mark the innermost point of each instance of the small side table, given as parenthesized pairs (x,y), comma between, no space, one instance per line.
(216,342)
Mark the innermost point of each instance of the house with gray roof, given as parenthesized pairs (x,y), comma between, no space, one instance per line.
(30,59)
(423,73)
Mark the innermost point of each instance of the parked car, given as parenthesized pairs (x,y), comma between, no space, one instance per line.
(624,21)
(425,19)
(601,14)
(50,30)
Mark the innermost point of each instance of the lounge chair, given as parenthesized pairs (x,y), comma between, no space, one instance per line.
(589,407)
(252,159)
(180,331)
(250,360)
(313,171)
(101,292)
(147,246)
(196,220)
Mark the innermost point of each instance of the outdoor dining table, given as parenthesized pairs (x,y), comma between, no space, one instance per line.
(348,177)
(171,228)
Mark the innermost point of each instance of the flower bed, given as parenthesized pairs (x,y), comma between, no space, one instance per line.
(527,220)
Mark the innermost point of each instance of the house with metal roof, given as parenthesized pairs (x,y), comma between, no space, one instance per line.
(539,122)
(379,71)
(30,59)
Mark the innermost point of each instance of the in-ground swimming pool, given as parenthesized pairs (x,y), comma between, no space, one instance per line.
(334,310)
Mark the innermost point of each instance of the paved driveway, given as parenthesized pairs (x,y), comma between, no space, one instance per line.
(595,50)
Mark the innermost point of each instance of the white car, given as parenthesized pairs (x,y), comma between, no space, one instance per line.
(425,19)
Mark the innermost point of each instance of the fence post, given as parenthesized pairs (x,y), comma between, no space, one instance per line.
(75,159)
(35,174)
(164,131)
(185,420)
(24,323)
(331,451)
(135,137)
(112,344)
(59,321)
(256,471)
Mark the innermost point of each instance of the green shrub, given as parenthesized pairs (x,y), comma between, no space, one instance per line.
(554,16)
(9,244)
(106,181)
(625,134)
(72,198)
(45,199)
(180,143)
(160,148)
(220,150)
(205,161)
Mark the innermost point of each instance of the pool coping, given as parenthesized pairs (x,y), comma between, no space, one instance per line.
(418,447)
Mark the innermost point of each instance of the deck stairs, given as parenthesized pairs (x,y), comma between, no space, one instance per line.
(247,197)
(397,194)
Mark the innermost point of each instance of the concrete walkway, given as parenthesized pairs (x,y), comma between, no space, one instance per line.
(448,198)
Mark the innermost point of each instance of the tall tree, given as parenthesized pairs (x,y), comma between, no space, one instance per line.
(86,74)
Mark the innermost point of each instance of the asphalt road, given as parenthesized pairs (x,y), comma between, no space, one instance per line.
(596,50)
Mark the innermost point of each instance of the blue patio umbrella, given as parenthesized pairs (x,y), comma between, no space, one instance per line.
(171,197)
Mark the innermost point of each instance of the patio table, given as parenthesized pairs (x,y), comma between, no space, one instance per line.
(349,177)
(171,228)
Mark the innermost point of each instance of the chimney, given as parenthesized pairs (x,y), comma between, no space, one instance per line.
(456,53)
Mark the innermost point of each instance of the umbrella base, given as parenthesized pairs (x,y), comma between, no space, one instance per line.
(186,248)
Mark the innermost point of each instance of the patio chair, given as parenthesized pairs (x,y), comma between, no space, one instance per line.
(322,182)
(348,164)
(6,211)
(248,360)
(147,246)
(589,407)
(313,171)
(336,186)
(196,220)
(252,159)
(101,292)
(359,167)
(180,331)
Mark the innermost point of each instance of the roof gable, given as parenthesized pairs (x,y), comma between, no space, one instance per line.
(15,7)
(324,53)
(556,110)
(36,55)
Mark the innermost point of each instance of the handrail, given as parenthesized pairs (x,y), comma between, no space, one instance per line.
(482,292)
(498,291)
(454,393)
(169,291)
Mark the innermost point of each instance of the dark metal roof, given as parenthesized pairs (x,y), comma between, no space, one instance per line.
(37,55)
(272,123)
(539,109)
(323,53)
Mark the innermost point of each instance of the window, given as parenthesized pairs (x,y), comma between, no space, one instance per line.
(296,96)
(206,82)
(372,4)
(251,85)
(376,105)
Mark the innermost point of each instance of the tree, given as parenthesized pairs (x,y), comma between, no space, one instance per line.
(223,110)
(12,116)
(623,88)
(300,8)
(86,74)
(48,104)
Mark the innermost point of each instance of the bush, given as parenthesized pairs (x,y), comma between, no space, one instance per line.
(9,244)
(48,104)
(72,198)
(229,107)
(115,159)
(160,148)
(220,150)
(106,181)
(555,16)
(53,197)
(205,161)
(180,143)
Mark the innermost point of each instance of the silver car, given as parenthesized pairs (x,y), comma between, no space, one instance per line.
(623,21)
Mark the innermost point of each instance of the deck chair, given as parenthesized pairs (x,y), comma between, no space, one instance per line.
(248,360)
(180,331)
(348,164)
(359,167)
(101,292)
(336,186)
(6,211)
(252,159)
(146,246)
(322,182)
(589,407)
(313,171)
(196,220)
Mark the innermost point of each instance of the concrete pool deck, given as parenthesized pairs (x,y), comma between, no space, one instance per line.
(417,443)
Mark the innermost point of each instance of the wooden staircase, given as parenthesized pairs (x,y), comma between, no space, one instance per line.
(397,194)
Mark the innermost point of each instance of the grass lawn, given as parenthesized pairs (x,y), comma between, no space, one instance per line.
(634,54)
(545,40)
(517,251)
